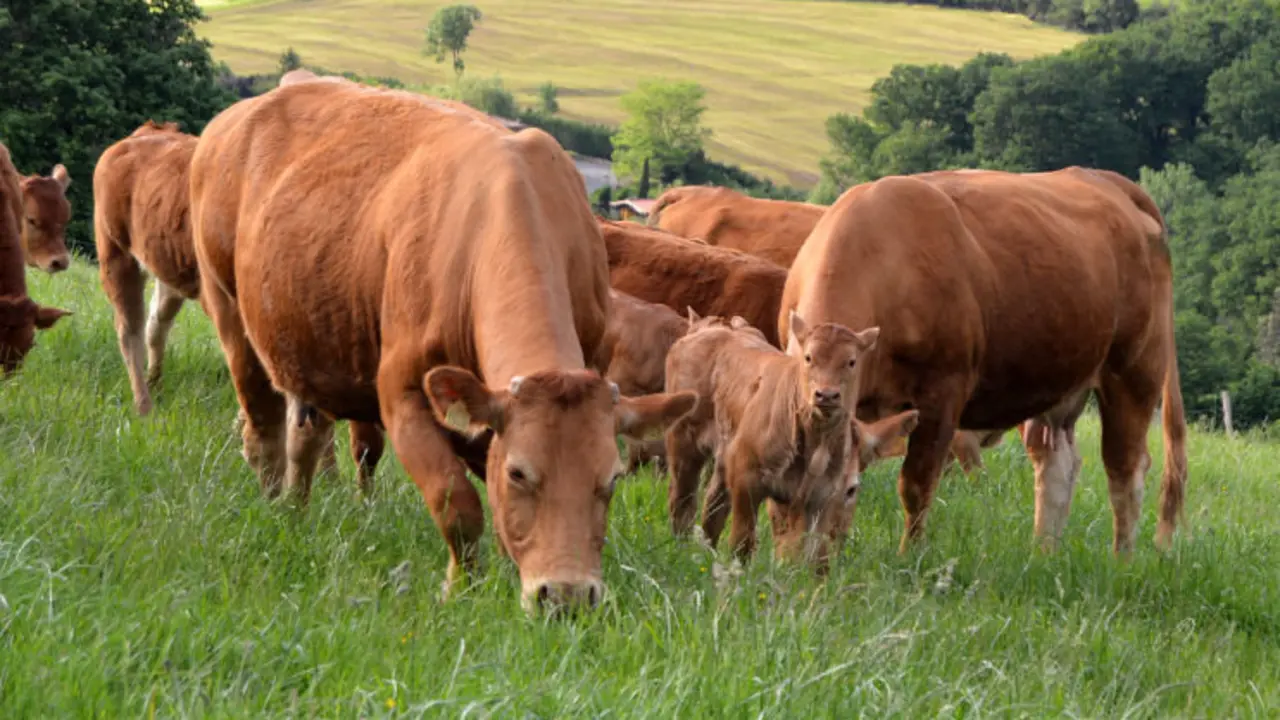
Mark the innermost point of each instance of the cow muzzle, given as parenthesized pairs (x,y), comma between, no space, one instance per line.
(559,597)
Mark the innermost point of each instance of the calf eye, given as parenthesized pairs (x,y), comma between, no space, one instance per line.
(808,359)
(853,362)
(851,493)
(516,475)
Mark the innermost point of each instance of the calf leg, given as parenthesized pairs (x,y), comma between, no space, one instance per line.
(743,482)
(124,283)
(308,438)
(715,506)
(165,304)
(429,459)
(926,454)
(263,416)
(685,460)
(367,446)
(1126,408)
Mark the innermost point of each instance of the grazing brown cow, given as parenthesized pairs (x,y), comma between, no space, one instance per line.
(779,428)
(20,317)
(1006,297)
(39,204)
(368,253)
(633,356)
(769,229)
(664,268)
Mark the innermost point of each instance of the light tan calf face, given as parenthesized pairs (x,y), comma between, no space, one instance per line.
(552,468)
(830,352)
(814,534)
(46,213)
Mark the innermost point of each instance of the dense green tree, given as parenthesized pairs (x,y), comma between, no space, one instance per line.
(290,60)
(1244,97)
(547,97)
(448,32)
(80,74)
(663,125)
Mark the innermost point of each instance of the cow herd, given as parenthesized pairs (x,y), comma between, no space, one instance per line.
(412,267)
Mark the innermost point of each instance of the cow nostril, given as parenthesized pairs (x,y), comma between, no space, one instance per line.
(544,593)
(58,264)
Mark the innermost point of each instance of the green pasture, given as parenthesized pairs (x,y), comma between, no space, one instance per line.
(142,575)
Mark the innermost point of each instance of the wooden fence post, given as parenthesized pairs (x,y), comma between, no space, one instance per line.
(1226,414)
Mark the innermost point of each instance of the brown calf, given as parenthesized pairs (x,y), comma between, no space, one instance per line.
(384,257)
(1008,297)
(20,317)
(779,428)
(663,268)
(770,229)
(633,356)
(40,207)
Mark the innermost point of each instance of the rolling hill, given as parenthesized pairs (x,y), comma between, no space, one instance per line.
(774,70)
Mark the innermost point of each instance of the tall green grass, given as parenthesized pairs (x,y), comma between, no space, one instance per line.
(142,575)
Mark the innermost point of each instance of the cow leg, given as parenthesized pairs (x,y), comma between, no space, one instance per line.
(428,457)
(165,304)
(1126,407)
(967,452)
(927,452)
(743,483)
(309,435)
(263,408)
(685,460)
(124,283)
(367,445)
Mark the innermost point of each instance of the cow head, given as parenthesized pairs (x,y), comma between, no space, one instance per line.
(815,534)
(20,318)
(552,468)
(45,213)
(830,353)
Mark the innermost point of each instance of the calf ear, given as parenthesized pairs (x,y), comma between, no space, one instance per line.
(884,433)
(640,417)
(693,315)
(797,330)
(461,401)
(867,338)
(62,176)
(46,317)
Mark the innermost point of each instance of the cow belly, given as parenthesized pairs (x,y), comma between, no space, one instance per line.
(321,351)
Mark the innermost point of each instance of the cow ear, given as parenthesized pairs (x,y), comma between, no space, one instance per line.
(46,317)
(737,322)
(886,433)
(461,401)
(61,175)
(639,417)
(867,338)
(693,315)
(798,330)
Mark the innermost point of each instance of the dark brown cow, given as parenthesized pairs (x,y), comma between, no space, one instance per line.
(40,206)
(779,428)
(633,356)
(769,229)
(1005,297)
(664,268)
(20,317)
(368,253)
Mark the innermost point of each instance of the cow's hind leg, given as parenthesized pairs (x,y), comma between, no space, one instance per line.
(125,284)
(262,420)
(1126,406)
(165,304)
(367,445)
(927,452)
(310,434)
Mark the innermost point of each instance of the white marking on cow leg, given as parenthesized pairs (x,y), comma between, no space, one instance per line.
(307,438)
(165,304)
(1057,465)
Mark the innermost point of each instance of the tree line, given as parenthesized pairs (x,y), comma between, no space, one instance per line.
(1188,104)
(1090,16)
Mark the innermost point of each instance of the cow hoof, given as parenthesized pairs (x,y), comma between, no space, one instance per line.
(143,406)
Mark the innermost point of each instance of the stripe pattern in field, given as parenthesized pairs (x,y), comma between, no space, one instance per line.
(774,70)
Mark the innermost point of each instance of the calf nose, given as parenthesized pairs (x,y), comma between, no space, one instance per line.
(59,264)
(829,396)
(557,596)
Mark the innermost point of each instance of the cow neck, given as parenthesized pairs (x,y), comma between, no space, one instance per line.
(13,278)
(524,322)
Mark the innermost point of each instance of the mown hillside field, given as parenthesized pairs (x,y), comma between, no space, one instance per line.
(141,575)
(774,70)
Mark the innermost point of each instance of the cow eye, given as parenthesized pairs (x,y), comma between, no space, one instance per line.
(852,492)
(808,359)
(517,476)
(853,362)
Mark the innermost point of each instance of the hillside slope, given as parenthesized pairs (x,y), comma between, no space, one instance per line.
(774,70)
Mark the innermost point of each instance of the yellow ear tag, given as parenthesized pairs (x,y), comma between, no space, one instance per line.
(457,416)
